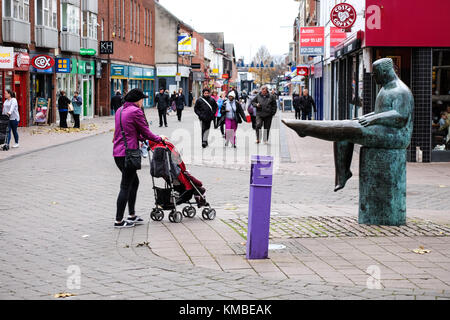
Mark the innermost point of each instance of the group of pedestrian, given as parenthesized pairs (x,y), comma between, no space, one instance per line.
(67,106)
(303,105)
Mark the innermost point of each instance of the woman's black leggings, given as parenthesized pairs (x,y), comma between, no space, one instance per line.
(128,189)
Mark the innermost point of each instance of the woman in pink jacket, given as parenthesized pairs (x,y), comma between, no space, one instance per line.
(136,129)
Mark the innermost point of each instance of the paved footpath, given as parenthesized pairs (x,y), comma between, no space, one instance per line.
(60,204)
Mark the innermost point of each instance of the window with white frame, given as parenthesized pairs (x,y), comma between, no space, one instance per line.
(70,18)
(17,9)
(90,25)
(46,13)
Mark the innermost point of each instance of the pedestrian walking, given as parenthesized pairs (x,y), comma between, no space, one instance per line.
(130,126)
(63,108)
(173,99)
(307,105)
(205,108)
(219,121)
(180,103)
(233,113)
(233,89)
(116,102)
(296,102)
(215,95)
(162,102)
(191,98)
(266,108)
(11,108)
(251,110)
(77,103)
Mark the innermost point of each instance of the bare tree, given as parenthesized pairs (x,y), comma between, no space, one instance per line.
(272,66)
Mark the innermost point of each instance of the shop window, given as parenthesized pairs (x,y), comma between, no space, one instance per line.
(70,19)
(441,99)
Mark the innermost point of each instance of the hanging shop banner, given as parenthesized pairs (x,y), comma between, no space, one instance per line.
(62,65)
(6,57)
(343,16)
(184,45)
(86,67)
(312,41)
(302,71)
(42,62)
(337,36)
(22,61)
(41,111)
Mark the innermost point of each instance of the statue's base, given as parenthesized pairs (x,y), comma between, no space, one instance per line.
(382,187)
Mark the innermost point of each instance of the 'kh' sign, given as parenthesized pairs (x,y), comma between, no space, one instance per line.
(106,47)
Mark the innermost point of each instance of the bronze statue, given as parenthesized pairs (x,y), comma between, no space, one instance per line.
(388,128)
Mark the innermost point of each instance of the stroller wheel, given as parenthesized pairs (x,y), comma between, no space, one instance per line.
(189,212)
(212,214)
(159,215)
(177,217)
(171,216)
(205,214)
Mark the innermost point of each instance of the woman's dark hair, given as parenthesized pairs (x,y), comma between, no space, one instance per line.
(206,89)
(11,93)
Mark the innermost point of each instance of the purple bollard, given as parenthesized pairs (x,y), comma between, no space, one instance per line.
(259,207)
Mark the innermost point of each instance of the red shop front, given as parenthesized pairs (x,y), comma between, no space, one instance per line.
(16,79)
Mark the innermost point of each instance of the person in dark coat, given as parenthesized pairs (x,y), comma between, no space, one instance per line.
(307,105)
(116,102)
(297,105)
(63,108)
(162,102)
(205,108)
(266,108)
(180,102)
(191,98)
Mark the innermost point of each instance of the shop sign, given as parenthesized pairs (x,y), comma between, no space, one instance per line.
(98,69)
(106,47)
(6,57)
(312,41)
(343,16)
(337,36)
(166,71)
(42,62)
(225,76)
(62,65)
(148,73)
(302,71)
(119,71)
(88,52)
(184,45)
(22,61)
(86,67)
(135,73)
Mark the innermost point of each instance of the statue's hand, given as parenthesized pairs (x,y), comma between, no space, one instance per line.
(368,120)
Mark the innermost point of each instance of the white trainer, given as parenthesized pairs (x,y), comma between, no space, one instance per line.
(16,145)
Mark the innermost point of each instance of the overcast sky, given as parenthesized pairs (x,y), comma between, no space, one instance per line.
(248,24)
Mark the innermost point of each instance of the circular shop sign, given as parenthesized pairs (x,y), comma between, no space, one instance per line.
(43,62)
(343,16)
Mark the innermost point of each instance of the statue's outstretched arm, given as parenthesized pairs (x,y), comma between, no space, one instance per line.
(395,118)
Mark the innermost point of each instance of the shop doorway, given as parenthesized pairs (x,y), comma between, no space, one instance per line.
(20,88)
(88,98)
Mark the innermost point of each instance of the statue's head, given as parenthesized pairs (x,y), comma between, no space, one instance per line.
(383,70)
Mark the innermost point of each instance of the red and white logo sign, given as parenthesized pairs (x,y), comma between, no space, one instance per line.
(343,16)
(337,35)
(43,62)
(302,71)
(22,60)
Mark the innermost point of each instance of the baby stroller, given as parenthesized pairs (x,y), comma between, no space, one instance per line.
(4,125)
(180,186)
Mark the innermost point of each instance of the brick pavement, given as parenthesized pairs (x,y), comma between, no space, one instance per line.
(60,210)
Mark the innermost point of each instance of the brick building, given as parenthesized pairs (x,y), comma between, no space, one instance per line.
(130,25)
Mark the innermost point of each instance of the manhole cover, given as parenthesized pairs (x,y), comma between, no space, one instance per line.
(292,246)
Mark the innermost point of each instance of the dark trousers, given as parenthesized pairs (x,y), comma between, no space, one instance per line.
(76,118)
(261,122)
(306,115)
(162,116)
(297,114)
(206,126)
(63,119)
(13,124)
(179,114)
(129,186)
